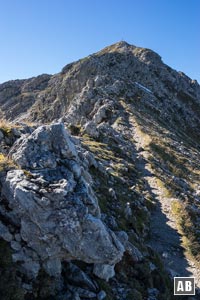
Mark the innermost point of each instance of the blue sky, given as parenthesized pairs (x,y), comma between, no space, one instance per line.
(41,36)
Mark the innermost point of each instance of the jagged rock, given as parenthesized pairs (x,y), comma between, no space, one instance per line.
(133,251)
(102,113)
(90,158)
(79,278)
(43,148)
(104,271)
(91,129)
(54,206)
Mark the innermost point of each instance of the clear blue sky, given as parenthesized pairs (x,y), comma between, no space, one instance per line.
(41,36)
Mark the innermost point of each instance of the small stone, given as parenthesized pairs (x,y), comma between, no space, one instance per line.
(31,268)
(152,267)
(104,271)
(17,237)
(128,211)
(91,129)
(165,255)
(133,251)
(109,170)
(53,267)
(112,193)
(101,295)
(15,245)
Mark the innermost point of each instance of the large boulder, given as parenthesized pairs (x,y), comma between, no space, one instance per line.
(52,206)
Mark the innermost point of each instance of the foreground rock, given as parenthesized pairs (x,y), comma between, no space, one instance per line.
(52,208)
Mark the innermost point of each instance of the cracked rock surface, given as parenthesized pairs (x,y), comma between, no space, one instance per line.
(52,206)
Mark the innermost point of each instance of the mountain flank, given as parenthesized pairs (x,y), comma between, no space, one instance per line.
(99,180)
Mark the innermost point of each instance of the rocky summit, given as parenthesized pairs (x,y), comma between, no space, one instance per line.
(100,180)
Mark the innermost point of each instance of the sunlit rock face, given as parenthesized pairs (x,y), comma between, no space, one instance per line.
(53,205)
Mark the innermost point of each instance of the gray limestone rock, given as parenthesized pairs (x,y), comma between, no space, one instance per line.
(91,129)
(43,148)
(101,113)
(104,271)
(132,250)
(54,206)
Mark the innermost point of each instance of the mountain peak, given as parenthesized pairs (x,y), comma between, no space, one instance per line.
(143,54)
(120,46)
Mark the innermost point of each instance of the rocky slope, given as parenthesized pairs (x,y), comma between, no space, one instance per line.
(99,180)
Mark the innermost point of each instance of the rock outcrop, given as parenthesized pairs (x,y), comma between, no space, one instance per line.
(52,207)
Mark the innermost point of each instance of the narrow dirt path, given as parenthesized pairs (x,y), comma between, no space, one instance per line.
(164,237)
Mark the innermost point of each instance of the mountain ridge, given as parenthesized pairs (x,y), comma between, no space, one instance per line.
(145,56)
(127,165)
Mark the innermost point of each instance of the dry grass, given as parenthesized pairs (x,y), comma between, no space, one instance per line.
(29,123)
(6,126)
(5,163)
(165,192)
(185,223)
